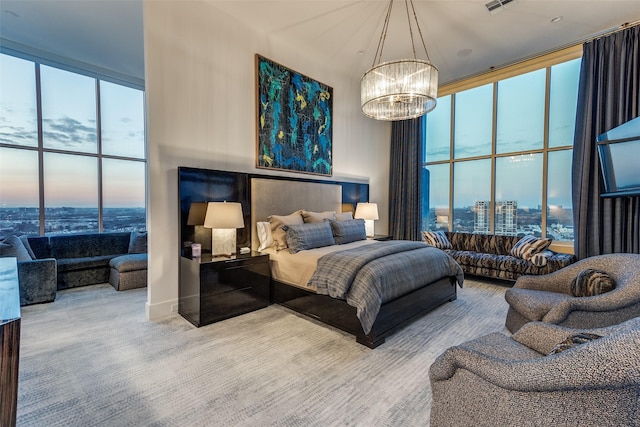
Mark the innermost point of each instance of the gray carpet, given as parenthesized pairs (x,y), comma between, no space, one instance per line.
(91,359)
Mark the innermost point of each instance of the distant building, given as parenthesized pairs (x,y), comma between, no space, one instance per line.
(482,217)
(506,218)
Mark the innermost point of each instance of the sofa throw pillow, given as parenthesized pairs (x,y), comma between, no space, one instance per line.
(308,236)
(348,231)
(25,241)
(437,239)
(541,259)
(138,242)
(572,342)
(317,216)
(12,246)
(591,282)
(528,246)
(277,233)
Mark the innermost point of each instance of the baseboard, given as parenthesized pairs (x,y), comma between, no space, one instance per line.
(159,310)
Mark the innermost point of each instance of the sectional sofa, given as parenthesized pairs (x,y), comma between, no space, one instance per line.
(71,260)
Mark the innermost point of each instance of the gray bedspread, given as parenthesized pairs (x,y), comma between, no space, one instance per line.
(370,275)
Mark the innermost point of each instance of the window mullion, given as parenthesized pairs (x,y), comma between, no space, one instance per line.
(41,213)
(99,142)
(452,131)
(545,156)
(494,132)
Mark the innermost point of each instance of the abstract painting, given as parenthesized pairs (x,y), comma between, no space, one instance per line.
(294,120)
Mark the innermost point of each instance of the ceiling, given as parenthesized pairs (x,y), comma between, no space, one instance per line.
(462,37)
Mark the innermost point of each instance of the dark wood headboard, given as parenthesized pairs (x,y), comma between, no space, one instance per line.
(198,186)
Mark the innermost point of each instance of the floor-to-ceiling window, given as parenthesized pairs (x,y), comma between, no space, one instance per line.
(499,155)
(72,151)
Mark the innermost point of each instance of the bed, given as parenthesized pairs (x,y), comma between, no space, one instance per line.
(309,281)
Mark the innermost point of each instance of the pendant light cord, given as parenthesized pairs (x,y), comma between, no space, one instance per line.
(383,35)
(415,17)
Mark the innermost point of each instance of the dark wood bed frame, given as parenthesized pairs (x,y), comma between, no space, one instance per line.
(393,314)
(199,185)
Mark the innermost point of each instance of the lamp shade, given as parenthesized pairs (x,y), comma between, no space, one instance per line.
(197,212)
(399,90)
(366,211)
(224,215)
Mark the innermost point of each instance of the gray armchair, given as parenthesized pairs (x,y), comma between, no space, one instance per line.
(497,380)
(548,298)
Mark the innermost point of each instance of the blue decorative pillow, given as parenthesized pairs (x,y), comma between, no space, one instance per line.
(138,242)
(348,231)
(437,239)
(308,236)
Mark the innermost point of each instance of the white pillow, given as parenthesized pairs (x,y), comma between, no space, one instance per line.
(264,235)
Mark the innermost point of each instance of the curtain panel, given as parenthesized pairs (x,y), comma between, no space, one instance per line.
(608,96)
(405,186)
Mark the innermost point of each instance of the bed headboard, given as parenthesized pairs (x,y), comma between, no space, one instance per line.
(282,197)
(260,196)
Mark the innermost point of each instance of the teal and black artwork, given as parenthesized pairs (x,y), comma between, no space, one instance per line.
(294,120)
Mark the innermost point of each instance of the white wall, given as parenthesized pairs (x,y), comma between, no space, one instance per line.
(200,89)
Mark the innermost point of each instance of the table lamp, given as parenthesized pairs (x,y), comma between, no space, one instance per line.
(368,212)
(223,219)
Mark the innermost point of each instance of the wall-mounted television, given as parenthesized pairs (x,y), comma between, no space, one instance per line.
(619,151)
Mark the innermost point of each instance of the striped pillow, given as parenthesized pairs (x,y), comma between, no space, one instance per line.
(308,236)
(528,246)
(437,239)
(591,282)
(573,341)
(541,259)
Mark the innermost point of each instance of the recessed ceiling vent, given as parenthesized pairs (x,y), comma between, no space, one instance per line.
(496,6)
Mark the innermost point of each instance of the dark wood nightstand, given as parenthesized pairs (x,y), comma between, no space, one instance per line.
(216,288)
(380,237)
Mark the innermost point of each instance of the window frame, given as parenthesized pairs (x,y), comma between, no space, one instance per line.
(41,150)
(493,77)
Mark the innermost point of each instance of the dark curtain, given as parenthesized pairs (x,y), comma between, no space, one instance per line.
(608,96)
(405,186)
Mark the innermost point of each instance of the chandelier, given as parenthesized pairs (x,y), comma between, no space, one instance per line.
(401,89)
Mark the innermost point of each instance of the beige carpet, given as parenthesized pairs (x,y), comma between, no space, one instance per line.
(91,359)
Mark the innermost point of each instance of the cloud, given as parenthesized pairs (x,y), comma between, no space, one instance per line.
(18,135)
(66,132)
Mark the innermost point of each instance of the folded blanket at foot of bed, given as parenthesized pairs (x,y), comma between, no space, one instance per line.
(369,276)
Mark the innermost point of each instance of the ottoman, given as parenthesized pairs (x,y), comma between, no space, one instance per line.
(128,271)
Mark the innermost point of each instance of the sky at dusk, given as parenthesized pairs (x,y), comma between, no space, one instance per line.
(69,122)
(519,127)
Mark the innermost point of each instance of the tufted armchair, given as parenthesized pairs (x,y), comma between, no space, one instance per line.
(548,298)
(496,380)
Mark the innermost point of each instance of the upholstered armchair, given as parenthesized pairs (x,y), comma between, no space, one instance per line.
(496,380)
(548,298)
